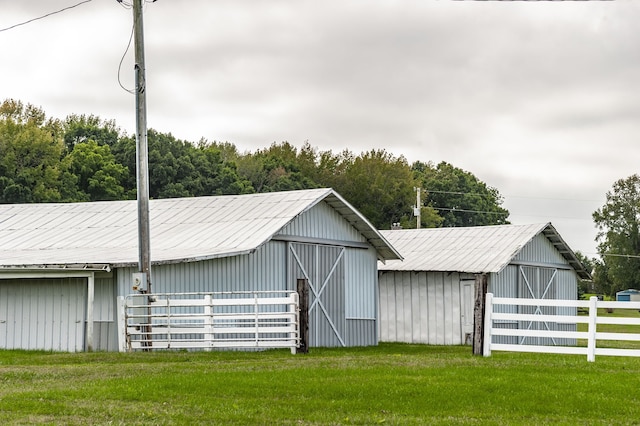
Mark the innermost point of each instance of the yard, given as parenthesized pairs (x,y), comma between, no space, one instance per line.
(392,384)
(614,328)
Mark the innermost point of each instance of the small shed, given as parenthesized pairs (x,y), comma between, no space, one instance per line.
(630,295)
(62,266)
(429,296)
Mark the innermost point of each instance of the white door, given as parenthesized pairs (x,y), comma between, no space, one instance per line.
(467,310)
(47,314)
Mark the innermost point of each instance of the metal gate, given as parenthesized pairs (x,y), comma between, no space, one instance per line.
(209,320)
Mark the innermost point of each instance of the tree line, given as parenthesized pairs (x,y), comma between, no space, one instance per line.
(86,158)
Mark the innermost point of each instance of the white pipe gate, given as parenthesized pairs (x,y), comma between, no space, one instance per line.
(259,319)
(591,335)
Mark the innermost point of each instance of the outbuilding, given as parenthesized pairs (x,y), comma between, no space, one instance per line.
(429,296)
(630,295)
(62,266)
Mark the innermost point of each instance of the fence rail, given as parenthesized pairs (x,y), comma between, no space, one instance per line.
(592,336)
(209,320)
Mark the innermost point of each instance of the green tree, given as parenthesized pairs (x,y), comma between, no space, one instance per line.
(601,282)
(618,224)
(279,168)
(378,184)
(99,176)
(459,197)
(179,168)
(31,151)
(82,128)
(585,286)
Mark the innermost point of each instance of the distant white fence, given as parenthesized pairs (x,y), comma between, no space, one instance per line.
(209,320)
(591,335)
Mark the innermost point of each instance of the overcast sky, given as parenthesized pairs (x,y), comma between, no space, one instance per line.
(537,99)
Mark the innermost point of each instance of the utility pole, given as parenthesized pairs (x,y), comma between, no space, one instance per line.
(142,153)
(416,210)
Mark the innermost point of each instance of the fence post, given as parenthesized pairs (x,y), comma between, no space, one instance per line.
(122,325)
(303,294)
(488,323)
(208,320)
(591,332)
(478,313)
(295,321)
(256,317)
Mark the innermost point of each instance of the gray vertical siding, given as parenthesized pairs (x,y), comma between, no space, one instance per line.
(423,307)
(262,270)
(322,222)
(323,267)
(105,327)
(362,332)
(541,250)
(43,314)
(361,281)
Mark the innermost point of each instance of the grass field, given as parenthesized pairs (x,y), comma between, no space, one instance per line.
(614,328)
(389,384)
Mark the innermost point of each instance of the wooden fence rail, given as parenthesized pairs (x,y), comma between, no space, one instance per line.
(592,336)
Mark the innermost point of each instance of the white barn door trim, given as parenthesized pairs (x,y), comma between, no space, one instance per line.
(318,288)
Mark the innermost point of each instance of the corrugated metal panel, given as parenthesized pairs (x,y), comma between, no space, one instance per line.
(323,222)
(263,270)
(479,249)
(540,281)
(182,229)
(423,307)
(361,332)
(105,328)
(475,249)
(324,268)
(540,250)
(361,283)
(43,314)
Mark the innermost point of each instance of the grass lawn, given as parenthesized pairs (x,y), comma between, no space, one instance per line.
(614,328)
(389,384)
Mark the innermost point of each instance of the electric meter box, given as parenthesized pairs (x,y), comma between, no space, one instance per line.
(139,281)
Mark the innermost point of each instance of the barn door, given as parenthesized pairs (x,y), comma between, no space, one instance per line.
(46,314)
(468,300)
(537,283)
(323,268)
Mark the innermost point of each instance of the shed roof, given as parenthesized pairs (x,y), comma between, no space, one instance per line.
(182,229)
(477,249)
(628,291)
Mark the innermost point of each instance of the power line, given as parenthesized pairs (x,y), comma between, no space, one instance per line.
(467,211)
(44,16)
(629,256)
(548,215)
(122,59)
(428,191)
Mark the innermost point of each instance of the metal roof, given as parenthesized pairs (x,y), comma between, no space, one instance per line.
(182,229)
(477,249)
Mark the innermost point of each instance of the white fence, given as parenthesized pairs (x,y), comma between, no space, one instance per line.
(209,320)
(592,336)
